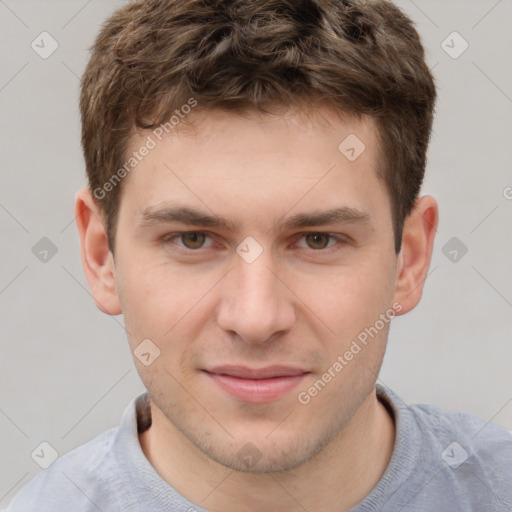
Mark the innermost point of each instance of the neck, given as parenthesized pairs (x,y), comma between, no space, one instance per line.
(340,476)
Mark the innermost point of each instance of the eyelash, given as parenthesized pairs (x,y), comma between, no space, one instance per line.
(173,236)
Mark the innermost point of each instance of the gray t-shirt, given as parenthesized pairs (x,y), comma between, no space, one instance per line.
(441,462)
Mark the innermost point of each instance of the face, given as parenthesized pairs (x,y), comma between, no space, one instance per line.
(254,254)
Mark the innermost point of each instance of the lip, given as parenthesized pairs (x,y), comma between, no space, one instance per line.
(256,385)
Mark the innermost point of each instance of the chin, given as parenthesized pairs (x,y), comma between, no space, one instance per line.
(250,458)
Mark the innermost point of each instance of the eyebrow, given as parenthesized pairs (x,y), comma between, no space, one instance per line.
(167,213)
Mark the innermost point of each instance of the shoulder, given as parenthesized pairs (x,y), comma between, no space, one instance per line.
(474,456)
(60,487)
(444,461)
(452,431)
(476,436)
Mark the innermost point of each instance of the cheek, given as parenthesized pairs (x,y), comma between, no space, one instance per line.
(349,299)
(158,300)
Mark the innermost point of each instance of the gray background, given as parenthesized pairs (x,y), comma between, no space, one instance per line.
(66,370)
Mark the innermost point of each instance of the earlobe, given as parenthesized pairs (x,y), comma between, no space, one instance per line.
(415,255)
(97,259)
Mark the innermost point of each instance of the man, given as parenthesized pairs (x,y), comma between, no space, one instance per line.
(253,210)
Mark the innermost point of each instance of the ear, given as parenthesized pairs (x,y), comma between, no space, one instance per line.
(415,255)
(97,259)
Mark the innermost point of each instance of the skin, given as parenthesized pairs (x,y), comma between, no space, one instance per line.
(298,304)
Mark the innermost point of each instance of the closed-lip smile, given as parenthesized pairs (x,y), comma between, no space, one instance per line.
(256,385)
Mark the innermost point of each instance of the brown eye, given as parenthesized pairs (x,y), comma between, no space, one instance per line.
(193,240)
(317,240)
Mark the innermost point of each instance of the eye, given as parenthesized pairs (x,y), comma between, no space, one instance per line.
(192,240)
(319,241)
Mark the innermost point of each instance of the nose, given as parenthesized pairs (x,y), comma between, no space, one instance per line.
(256,304)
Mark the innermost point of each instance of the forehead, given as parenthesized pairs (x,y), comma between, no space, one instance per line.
(223,161)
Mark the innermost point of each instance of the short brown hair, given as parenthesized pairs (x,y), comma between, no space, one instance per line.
(364,58)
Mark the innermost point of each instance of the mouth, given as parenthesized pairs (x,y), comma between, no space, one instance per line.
(256,385)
